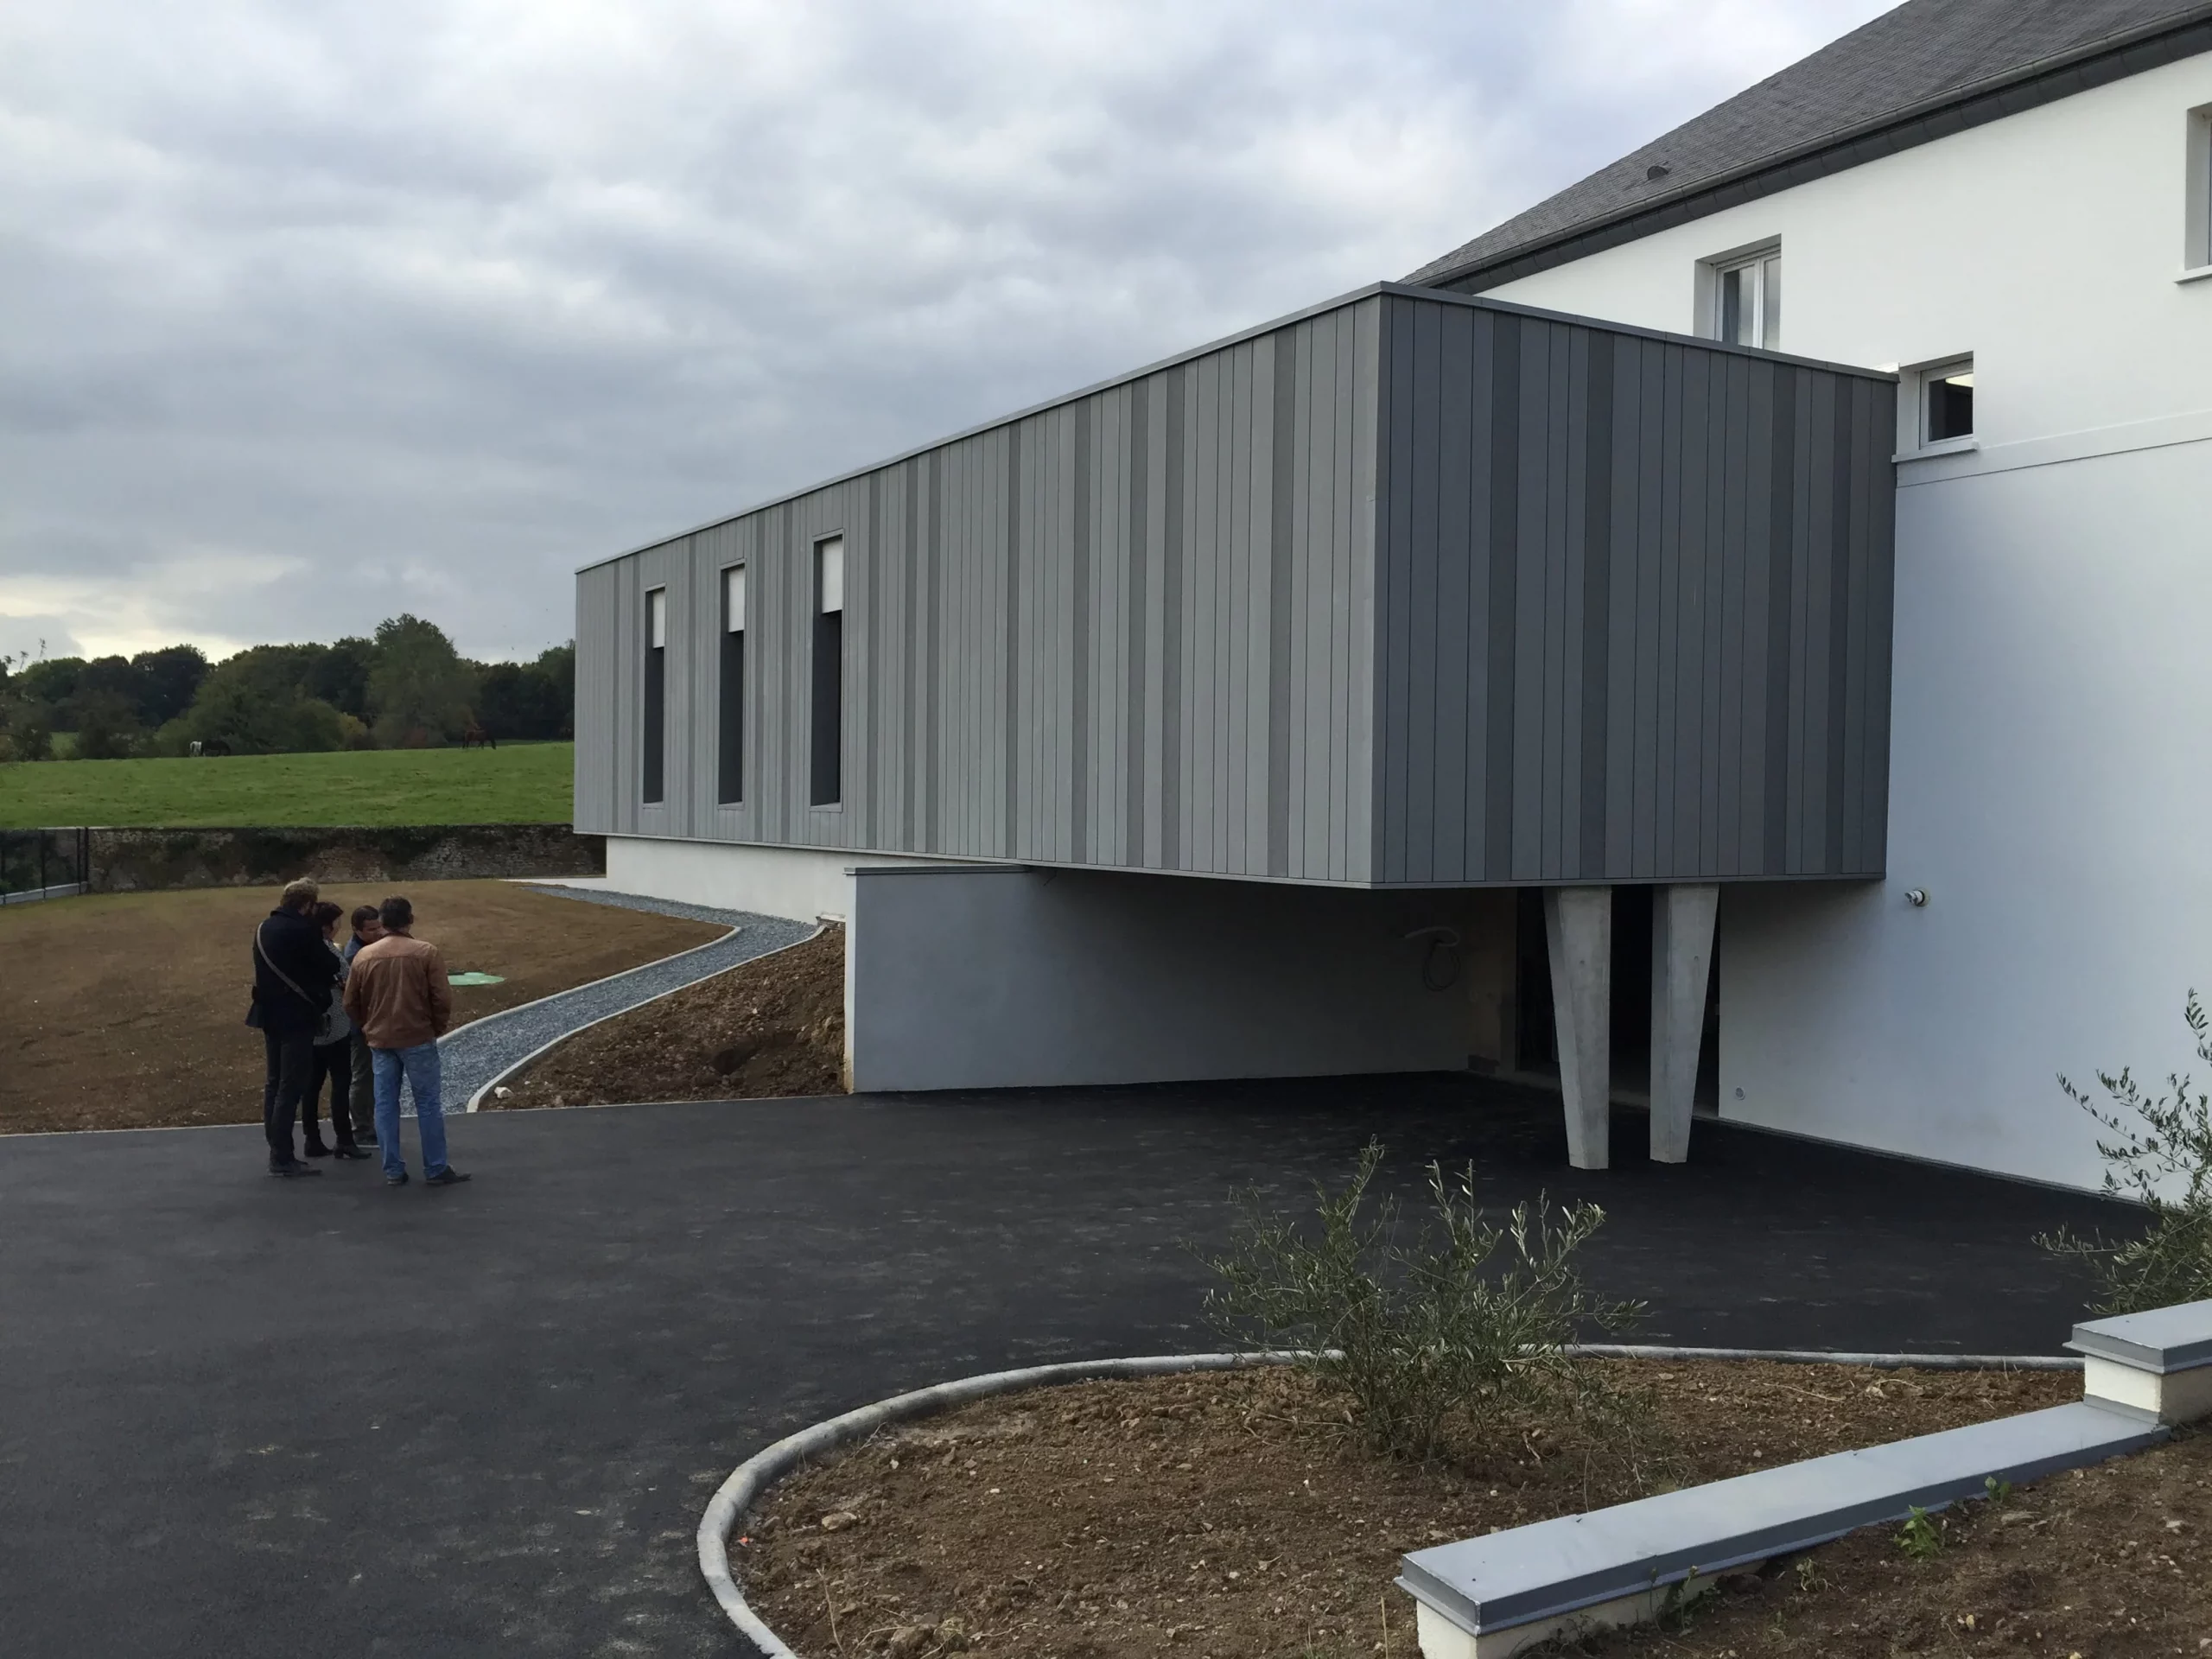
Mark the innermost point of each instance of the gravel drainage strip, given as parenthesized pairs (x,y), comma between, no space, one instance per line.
(481,1052)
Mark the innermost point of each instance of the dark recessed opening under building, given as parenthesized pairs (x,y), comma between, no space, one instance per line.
(1535,1041)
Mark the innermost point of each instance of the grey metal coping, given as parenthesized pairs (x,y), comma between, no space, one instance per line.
(1403,291)
(1562,1565)
(2161,1340)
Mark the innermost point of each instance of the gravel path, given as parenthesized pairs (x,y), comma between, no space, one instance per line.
(481,1050)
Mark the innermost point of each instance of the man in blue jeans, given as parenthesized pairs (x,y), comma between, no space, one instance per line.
(400,1000)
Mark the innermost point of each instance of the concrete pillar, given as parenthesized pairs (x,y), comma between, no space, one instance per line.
(1681,962)
(1579,927)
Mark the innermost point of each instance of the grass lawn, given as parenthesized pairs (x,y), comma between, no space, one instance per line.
(519,783)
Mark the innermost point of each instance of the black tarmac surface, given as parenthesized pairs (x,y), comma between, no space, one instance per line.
(249,1417)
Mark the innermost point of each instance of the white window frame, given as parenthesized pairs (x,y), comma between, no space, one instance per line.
(656,618)
(1711,271)
(2196,214)
(1913,379)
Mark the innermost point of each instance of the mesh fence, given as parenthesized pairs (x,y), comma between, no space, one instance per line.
(33,859)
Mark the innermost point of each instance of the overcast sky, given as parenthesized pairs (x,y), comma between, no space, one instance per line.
(311,313)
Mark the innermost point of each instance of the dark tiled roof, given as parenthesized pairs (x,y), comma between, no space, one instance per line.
(1897,73)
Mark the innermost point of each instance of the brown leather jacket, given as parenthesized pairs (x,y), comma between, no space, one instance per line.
(397,993)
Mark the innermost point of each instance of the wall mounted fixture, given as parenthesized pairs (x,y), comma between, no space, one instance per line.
(1440,969)
(1917,897)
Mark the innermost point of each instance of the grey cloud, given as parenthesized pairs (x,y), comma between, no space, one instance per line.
(313,312)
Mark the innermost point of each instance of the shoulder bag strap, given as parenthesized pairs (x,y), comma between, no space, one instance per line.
(259,950)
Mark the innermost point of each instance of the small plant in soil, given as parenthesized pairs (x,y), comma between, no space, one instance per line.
(1460,1330)
(1919,1537)
(2158,1151)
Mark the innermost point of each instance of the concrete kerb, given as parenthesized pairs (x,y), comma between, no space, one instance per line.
(483,1091)
(750,1481)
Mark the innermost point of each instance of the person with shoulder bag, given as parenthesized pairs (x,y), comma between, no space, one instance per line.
(294,975)
(333,1054)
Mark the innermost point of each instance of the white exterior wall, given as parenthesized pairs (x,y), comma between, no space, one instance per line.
(997,977)
(2054,606)
(804,883)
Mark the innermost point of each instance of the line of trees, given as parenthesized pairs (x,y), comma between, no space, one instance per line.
(405,687)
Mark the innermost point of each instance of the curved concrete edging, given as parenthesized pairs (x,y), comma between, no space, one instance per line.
(543,1049)
(752,1478)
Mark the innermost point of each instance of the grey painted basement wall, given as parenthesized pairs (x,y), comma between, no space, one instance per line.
(1409,589)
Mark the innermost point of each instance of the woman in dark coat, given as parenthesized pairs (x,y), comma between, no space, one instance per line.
(294,976)
(333,1054)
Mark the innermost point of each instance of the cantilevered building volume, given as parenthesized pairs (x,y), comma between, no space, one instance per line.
(1411,682)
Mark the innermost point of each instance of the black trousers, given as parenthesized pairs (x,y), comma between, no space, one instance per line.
(291,1063)
(365,1092)
(335,1062)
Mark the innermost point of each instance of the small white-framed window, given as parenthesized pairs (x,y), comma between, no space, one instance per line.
(1942,396)
(1742,298)
(2196,233)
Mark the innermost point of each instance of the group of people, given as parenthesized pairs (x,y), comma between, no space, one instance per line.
(361,1017)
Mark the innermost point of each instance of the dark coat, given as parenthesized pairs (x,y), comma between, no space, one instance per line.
(294,943)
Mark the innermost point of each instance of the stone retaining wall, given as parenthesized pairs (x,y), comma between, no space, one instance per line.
(129,861)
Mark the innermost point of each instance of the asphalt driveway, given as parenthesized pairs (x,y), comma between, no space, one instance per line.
(256,1418)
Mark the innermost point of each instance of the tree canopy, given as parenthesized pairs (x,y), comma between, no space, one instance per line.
(405,685)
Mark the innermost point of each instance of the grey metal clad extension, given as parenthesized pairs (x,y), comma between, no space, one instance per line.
(1408,589)
(1921,72)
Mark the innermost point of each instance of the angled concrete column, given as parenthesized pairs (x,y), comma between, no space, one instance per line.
(1579,927)
(1681,961)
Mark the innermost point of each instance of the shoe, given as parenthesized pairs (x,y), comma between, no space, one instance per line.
(347,1149)
(447,1177)
(399,1179)
(364,1137)
(316,1149)
(293,1170)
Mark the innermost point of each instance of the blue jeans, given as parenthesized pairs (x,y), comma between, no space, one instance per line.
(420,1067)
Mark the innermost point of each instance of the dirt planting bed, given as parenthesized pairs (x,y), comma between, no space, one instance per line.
(771,1028)
(1235,1515)
(2105,1563)
(128,1010)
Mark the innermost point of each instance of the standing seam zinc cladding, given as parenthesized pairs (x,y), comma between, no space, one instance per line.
(1411,589)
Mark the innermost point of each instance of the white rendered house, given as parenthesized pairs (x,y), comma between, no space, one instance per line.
(1094,724)
(2048,784)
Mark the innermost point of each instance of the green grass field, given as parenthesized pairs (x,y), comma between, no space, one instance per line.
(523,783)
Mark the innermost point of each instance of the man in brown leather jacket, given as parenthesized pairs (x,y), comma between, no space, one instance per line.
(398,996)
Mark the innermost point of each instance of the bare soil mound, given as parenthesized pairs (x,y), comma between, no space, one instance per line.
(1235,1515)
(772,1028)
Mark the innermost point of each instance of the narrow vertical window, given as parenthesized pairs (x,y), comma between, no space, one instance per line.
(656,732)
(732,762)
(829,734)
(2196,248)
